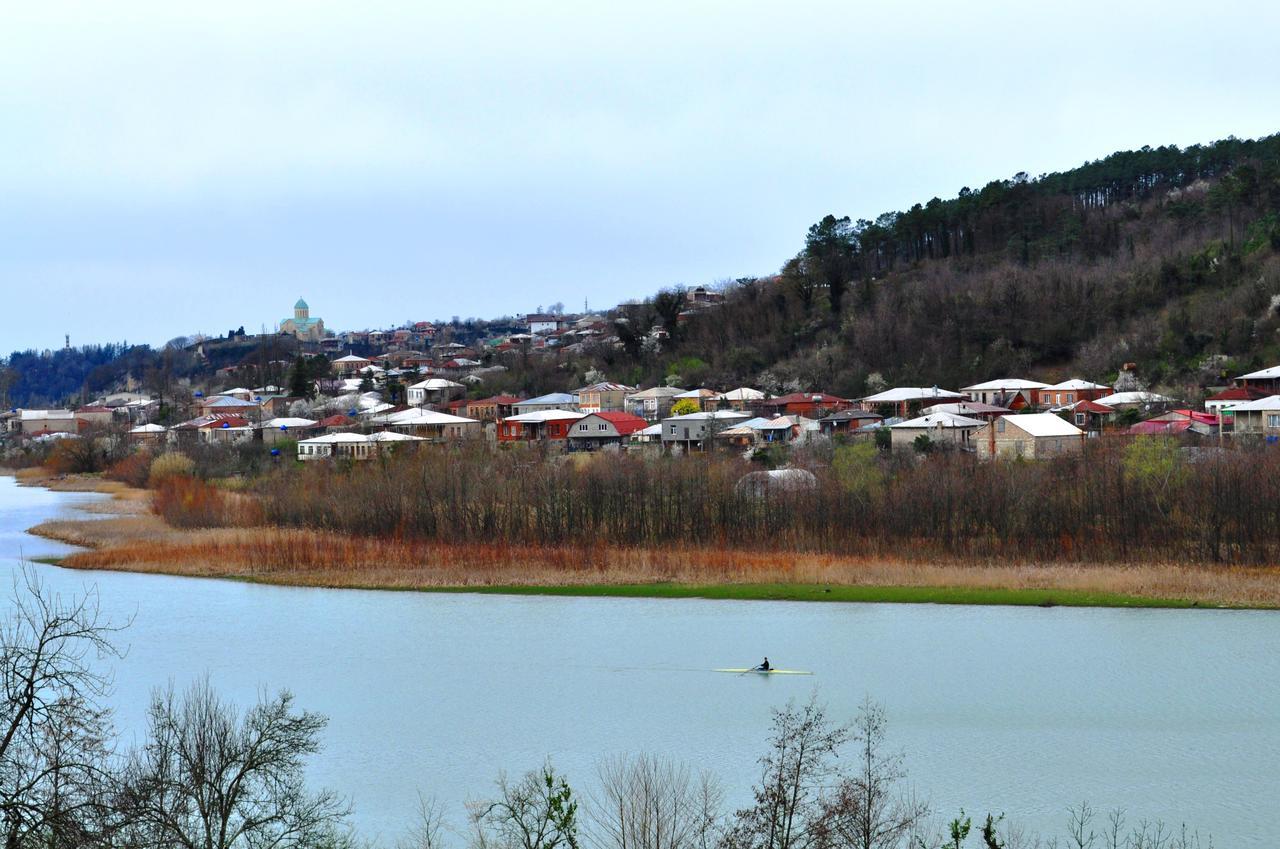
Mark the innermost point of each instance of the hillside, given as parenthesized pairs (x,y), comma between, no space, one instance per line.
(1163,258)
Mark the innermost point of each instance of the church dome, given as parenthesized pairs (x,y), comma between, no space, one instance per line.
(300,305)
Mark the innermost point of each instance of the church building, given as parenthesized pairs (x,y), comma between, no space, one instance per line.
(302,325)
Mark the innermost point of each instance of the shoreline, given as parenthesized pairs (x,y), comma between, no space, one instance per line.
(132,539)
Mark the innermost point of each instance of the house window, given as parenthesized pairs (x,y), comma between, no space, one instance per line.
(999,425)
(1069,397)
(1273,419)
(673,430)
(602,427)
(582,427)
(1080,419)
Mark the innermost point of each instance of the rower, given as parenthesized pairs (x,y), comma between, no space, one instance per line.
(764,667)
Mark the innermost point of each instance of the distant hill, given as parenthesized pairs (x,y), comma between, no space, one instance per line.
(1164,258)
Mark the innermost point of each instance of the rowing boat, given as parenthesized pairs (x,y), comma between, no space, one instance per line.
(766,671)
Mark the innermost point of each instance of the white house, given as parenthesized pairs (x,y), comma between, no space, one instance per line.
(1011,392)
(1257,417)
(433,390)
(1133,399)
(354,446)
(946,428)
(432,425)
(1032,435)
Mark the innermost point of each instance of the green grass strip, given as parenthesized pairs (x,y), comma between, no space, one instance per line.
(819,592)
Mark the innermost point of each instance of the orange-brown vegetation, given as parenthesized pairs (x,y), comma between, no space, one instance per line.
(307,558)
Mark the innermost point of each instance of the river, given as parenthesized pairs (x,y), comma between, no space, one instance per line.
(1172,715)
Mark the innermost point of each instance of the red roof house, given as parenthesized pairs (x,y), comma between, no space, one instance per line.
(598,430)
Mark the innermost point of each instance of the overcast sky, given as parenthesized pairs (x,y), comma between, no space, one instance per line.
(170,168)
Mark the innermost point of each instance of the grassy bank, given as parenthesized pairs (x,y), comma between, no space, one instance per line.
(866,594)
(144,543)
(134,539)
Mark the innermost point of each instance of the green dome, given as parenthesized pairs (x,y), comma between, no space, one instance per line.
(300,305)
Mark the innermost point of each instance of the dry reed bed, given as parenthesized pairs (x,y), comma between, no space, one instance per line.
(145,543)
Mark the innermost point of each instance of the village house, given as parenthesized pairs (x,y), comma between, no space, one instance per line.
(353,446)
(1068,392)
(540,324)
(971,409)
(847,422)
(602,397)
(811,405)
(548,425)
(902,399)
(739,400)
(350,364)
(274,406)
(1031,436)
(944,429)
(286,427)
(431,425)
(607,429)
(227,405)
(1177,423)
(238,392)
(706,399)
(1012,392)
(94,416)
(695,431)
(433,390)
(1259,418)
(42,422)
(649,438)
(1090,415)
(492,408)
(148,434)
(1267,379)
(780,430)
(1233,395)
(1121,400)
(652,404)
(214,428)
(551,401)
(335,423)
(702,296)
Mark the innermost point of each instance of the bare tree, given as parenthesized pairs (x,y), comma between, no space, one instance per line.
(871,809)
(209,778)
(790,800)
(536,812)
(53,731)
(646,802)
(428,831)
(1080,826)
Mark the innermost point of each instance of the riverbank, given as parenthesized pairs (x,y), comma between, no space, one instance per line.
(133,539)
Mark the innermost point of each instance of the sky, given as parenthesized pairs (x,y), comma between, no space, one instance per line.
(170,168)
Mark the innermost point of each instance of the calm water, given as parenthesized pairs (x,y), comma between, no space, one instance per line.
(1171,714)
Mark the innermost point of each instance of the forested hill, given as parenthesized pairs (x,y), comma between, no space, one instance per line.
(1162,257)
